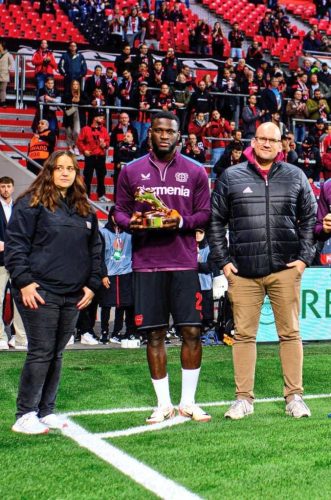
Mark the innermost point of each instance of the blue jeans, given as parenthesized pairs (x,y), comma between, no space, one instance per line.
(236,53)
(299,133)
(142,129)
(216,153)
(48,330)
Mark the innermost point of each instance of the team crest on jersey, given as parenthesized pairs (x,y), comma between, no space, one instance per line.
(181,177)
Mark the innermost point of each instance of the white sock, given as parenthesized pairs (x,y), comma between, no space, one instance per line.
(161,388)
(190,380)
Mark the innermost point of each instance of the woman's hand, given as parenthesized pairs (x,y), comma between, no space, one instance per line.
(86,299)
(106,282)
(31,297)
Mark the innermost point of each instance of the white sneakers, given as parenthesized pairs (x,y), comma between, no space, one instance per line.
(29,424)
(103,199)
(161,414)
(87,339)
(194,412)
(17,347)
(52,421)
(239,409)
(297,408)
(71,341)
(4,345)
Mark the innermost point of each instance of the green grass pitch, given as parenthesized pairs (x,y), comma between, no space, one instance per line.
(264,455)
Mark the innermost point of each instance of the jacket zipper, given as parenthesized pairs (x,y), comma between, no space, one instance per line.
(268,222)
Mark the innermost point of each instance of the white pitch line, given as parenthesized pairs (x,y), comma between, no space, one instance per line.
(142,474)
(142,428)
(111,411)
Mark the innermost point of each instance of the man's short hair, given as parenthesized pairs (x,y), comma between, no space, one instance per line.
(167,115)
(6,180)
(237,147)
(98,66)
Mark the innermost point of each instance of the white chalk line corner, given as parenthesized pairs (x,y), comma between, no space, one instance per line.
(139,472)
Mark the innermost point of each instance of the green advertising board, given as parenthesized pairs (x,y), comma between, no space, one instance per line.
(315,314)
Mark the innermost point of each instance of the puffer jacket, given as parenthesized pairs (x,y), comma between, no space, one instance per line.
(270,222)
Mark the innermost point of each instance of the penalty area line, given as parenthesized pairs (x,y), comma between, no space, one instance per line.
(140,473)
(111,411)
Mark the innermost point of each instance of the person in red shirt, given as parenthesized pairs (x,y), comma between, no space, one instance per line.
(218,128)
(93,142)
(44,63)
(151,31)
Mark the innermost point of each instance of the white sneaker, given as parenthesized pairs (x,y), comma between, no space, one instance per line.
(4,345)
(71,341)
(194,412)
(104,199)
(88,339)
(17,347)
(52,421)
(29,424)
(12,341)
(239,409)
(160,415)
(297,408)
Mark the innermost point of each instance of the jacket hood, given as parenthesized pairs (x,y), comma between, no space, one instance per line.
(249,154)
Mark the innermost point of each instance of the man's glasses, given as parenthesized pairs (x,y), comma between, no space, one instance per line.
(264,140)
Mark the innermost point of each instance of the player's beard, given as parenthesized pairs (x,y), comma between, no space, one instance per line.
(161,153)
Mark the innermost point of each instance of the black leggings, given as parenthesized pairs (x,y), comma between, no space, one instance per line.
(119,316)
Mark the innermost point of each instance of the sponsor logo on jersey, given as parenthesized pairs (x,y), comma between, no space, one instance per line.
(171,190)
(181,177)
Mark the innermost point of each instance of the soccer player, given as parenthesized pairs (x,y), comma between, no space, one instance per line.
(269,208)
(165,260)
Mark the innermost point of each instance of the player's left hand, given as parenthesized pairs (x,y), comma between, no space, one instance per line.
(301,266)
(171,223)
(86,299)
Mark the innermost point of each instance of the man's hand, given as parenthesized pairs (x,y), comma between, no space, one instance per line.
(327,223)
(106,282)
(301,266)
(2,246)
(171,223)
(228,269)
(136,222)
(87,153)
(86,299)
(31,297)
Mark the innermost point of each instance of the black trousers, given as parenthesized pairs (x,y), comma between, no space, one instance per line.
(48,330)
(99,164)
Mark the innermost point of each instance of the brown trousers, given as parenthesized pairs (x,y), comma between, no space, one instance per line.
(247,296)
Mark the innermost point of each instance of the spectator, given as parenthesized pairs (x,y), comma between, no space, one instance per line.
(318,132)
(315,84)
(133,26)
(286,29)
(52,247)
(176,15)
(254,54)
(44,63)
(41,146)
(231,156)
(297,109)
(143,74)
(267,255)
(172,66)
(249,85)
(201,38)
(318,106)
(163,13)
(117,289)
(265,26)
(144,56)
(326,164)
(197,126)
(72,66)
(201,101)
(217,41)
(116,25)
(276,120)
(228,104)
(290,155)
(50,97)
(97,101)
(93,142)
(310,43)
(151,32)
(126,89)
(301,84)
(182,97)
(251,117)
(47,7)
(217,129)
(118,135)
(193,149)
(309,159)
(124,61)
(112,91)
(143,102)
(74,117)
(157,75)
(236,38)
(326,139)
(18,341)
(271,99)
(165,100)
(126,151)
(95,81)
(210,84)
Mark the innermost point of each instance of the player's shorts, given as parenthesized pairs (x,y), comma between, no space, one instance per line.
(159,294)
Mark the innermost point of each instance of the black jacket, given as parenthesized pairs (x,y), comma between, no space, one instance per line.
(60,251)
(270,224)
(3,226)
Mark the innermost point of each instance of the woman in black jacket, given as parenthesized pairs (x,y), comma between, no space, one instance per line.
(74,118)
(53,254)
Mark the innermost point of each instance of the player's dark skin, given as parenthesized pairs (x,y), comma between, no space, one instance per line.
(165,136)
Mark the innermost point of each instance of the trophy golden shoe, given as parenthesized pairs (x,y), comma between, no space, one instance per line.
(159,215)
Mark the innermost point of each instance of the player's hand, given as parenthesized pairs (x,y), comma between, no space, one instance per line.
(2,246)
(171,223)
(86,299)
(106,282)
(300,266)
(136,222)
(228,269)
(31,297)
(327,223)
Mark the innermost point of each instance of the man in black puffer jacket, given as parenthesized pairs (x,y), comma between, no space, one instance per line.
(270,211)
